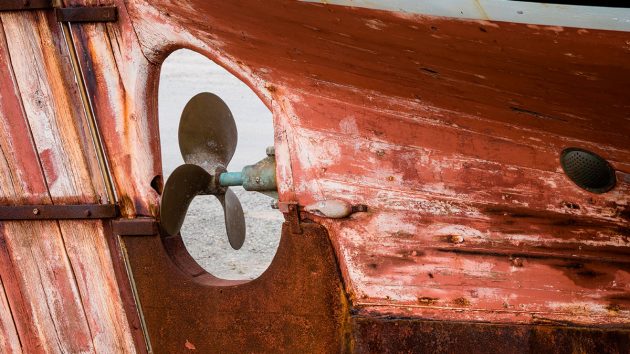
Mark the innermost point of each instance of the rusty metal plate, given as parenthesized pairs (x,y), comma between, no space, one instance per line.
(135,227)
(298,305)
(87,14)
(20,5)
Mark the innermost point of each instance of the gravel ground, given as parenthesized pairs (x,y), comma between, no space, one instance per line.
(185,74)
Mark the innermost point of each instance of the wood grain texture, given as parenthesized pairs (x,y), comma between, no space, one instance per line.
(90,257)
(22,180)
(9,340)
(450,131)
(51,105)
(59,276)
(45,286)
(39,280)
(122,84)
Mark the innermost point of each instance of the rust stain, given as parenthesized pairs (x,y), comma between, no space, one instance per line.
(587,275)
(461,301)
(427,301)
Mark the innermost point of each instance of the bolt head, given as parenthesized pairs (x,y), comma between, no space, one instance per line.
(517,262)
(456,239)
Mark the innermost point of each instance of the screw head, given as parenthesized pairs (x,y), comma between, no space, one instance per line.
(35,211)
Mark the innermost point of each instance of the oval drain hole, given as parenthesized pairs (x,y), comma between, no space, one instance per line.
(588,170)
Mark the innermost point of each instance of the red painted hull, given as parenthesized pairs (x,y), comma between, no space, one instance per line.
(447,129)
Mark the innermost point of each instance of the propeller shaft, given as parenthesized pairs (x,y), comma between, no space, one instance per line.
(259,177)
(228,179)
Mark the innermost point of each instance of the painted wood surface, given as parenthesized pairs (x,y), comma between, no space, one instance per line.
(58,276)
(450,131)
(9,340)
(122,85)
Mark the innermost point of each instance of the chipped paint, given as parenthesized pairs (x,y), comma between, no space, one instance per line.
(455,154)
(595,17)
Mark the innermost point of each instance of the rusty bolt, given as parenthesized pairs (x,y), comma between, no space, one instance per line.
(516,262)
(461,301)
(359,208)
(456,239)
(35,211)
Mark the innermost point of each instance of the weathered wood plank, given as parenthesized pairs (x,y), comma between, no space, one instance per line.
(117,76)
(123,85)
(43,283)
(9,340)
(26,328)
(21,180)
(52,108)
(48,287)
(77,307)
(91,261)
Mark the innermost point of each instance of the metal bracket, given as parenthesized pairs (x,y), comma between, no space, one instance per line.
(87,14)
(291,211)
(23,5)
(64,14)
(135,227)
(58,212)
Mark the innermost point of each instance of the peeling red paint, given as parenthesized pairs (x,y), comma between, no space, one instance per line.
(48,164)
(450,134)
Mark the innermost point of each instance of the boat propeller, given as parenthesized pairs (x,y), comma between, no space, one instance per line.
(207,140)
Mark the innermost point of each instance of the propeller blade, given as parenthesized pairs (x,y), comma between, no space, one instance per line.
(207,132)
(182,186)
(234,218)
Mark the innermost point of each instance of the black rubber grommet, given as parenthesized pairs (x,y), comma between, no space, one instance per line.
(588,170)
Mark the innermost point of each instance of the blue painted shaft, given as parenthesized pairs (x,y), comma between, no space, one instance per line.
(228,179)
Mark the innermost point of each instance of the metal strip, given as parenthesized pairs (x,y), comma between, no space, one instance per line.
(291,211)
(58,212)
(22,5)
(87,14)
(135,227)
